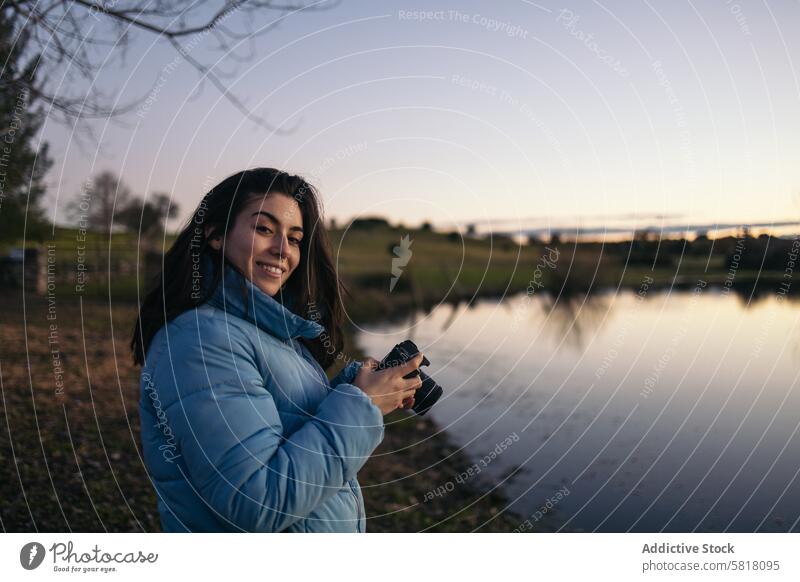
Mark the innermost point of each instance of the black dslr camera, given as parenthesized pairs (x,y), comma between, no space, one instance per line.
(427,395)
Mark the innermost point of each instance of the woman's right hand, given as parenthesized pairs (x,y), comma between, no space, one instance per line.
(387,388)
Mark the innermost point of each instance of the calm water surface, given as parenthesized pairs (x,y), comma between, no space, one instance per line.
(654,411)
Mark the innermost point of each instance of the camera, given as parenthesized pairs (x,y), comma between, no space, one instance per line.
(427,394)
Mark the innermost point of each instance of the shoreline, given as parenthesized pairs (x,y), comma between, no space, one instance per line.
(398,481)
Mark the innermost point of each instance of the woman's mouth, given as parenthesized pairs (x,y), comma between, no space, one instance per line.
(271,270)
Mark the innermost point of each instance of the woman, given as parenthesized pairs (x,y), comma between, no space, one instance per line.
(241,429)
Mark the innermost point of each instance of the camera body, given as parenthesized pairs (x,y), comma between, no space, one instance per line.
(427,395)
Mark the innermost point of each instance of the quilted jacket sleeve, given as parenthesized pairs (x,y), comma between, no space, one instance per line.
(231,438)
(348,374)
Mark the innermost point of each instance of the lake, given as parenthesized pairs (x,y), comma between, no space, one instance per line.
(639,410)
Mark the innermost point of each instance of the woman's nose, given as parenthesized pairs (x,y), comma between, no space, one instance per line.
(278,244)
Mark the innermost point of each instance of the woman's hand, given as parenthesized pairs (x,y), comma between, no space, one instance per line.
(387,388)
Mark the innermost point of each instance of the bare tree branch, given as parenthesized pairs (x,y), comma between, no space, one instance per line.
(70,40)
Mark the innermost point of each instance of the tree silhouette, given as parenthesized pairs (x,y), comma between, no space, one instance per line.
(148,218)
(22,167)
(98,207)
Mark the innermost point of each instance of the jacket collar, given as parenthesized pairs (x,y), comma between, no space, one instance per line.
(238,296)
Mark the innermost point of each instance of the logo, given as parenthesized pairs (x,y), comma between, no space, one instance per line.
(402,254)
(31,555)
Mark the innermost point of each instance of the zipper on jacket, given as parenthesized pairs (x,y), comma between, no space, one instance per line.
(298,349)
(358,506)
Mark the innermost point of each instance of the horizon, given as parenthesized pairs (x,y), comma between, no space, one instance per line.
(570,233)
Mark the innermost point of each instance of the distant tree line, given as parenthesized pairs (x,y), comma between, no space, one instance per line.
(106,202)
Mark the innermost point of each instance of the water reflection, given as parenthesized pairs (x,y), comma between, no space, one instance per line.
(656,410)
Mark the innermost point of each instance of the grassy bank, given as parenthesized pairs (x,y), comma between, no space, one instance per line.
(448,267)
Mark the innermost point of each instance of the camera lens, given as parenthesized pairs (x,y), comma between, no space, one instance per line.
(427,394)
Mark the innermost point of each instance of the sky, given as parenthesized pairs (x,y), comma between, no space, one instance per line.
(502,114)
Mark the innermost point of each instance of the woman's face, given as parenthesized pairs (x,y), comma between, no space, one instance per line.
(264,243)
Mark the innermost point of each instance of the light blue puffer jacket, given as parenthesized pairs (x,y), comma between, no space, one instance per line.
(241,430)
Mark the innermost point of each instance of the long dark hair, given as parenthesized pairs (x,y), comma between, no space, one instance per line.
(313,288)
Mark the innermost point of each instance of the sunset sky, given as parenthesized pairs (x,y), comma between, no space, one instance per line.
(507,113)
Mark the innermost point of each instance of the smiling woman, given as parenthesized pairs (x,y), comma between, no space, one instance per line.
(262,246)
(241,429)
(247,222)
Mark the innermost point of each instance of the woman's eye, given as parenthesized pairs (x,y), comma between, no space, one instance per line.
(294,241)
(262,228)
